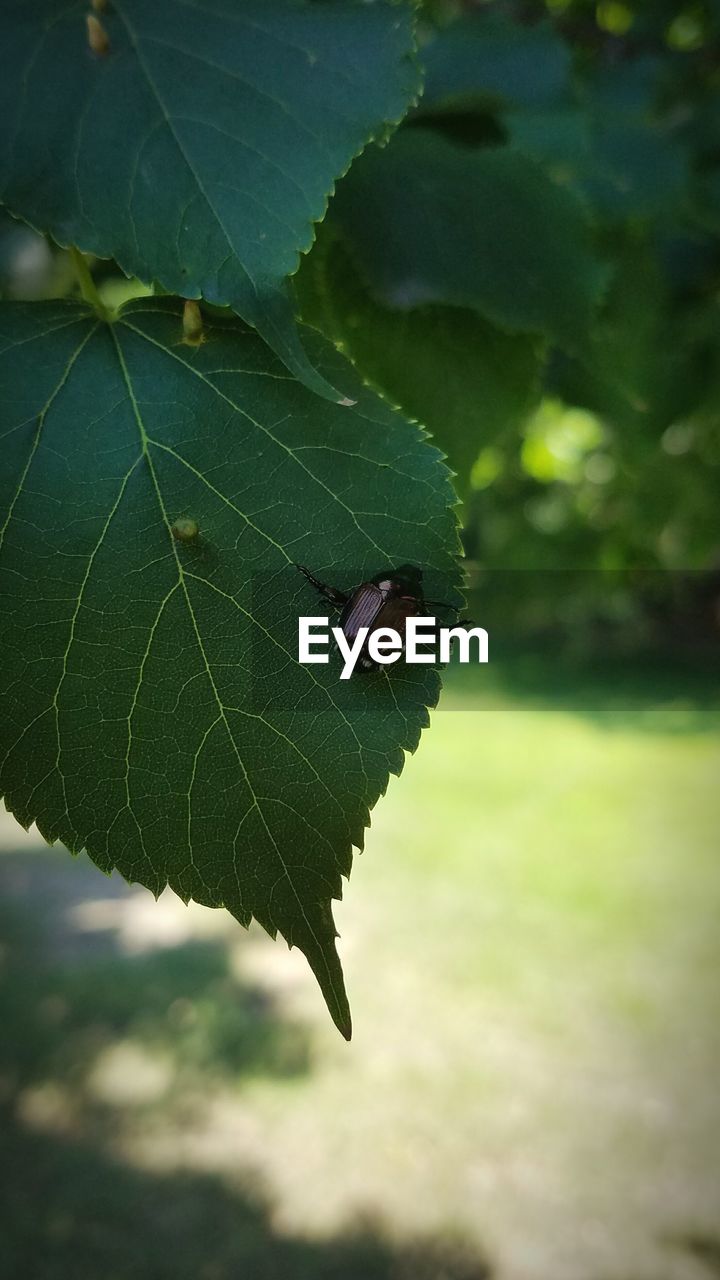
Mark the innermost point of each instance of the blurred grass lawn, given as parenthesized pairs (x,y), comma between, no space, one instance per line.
(532,949)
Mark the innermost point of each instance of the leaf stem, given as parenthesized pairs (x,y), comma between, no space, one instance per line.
(87,284)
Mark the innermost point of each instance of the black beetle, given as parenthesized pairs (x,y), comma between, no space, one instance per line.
(387,600)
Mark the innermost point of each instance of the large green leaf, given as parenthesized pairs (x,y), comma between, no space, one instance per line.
(464,379)
(201,148)
(431,221)
(152,708)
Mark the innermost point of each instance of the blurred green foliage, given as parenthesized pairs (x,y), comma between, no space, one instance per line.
(616,107)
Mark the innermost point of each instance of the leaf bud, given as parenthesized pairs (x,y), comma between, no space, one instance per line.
(192,323)
(97,36)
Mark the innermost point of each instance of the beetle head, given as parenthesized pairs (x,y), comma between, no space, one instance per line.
(406,579)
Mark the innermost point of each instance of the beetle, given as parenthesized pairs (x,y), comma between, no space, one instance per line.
(387,600)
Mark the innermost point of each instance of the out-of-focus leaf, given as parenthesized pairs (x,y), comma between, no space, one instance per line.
(199,150)
(152,707)
(433,222)
(625,167)
(560,138)
(645,368)
(706,203)
(639,169)
(605,139)
(626,87)
(486,58)
(639,166)
(460,376)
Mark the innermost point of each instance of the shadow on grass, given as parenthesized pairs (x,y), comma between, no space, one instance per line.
(67,994)
(703,1248)
(70,1213)
(71,1207)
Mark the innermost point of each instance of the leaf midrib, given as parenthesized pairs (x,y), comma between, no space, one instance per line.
(222,710)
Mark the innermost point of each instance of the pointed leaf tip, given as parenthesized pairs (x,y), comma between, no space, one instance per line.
(315,936)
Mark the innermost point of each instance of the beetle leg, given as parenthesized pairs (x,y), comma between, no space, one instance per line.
(466,622)
(332,594)
(462,622)
(441,604)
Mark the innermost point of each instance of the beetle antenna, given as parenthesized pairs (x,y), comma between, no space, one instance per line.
(331,594)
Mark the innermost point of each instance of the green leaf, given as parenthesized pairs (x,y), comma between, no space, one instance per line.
(606,135)
(639,164)
(624,167)
(648,364)
(487,59)
(464,379)
(430,221)
(152,708)
(559,138)
(201,148)
(640,169)
(706,200)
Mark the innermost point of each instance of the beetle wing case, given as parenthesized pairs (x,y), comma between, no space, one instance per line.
(396,611)
(361,609)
